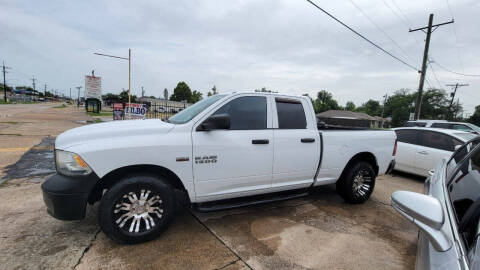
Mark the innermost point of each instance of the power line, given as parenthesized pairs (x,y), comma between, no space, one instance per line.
(405,21)
(456,38)
(381,30)
(363,37)
(434,74)
(451,71)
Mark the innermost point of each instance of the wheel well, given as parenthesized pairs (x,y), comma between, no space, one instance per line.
(363,156)
(112,177)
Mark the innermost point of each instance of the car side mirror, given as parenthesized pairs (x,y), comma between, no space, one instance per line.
(457,147)
(426,213)
(217,121)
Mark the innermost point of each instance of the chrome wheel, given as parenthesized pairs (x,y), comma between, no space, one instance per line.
(362,182)
(138,212)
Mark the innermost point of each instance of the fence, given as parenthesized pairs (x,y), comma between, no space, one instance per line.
(164,109)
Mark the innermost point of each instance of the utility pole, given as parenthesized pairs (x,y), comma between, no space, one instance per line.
(70,93)
(78,96)
(45,93)
(4,70)
(383,108)
(456,86)
(418,102)
(143,92)
(33,82)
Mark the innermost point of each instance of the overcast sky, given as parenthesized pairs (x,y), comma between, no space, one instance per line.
(284,45)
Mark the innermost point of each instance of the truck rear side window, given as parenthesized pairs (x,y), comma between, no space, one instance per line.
(246,113)
(290,114)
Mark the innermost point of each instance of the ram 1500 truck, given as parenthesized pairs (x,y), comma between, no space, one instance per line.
(212,153)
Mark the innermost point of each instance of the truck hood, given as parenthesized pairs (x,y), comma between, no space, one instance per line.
(124,129)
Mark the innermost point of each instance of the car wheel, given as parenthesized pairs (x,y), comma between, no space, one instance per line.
(137,209)
(357,182)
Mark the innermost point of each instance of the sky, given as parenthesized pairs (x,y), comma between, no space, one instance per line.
(287,46)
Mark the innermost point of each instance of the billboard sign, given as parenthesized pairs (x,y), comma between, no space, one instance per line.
(135,111)
(93,87)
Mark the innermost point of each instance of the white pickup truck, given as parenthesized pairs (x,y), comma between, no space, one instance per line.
(255,146)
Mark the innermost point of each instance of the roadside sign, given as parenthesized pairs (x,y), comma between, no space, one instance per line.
(118,111)
(93,87)
(135,110)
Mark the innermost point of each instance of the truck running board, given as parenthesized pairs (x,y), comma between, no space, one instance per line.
(249,201)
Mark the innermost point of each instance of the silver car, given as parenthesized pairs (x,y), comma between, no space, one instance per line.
(448,214)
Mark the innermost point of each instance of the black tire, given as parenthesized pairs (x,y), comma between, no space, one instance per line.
(357,182)
(144,221)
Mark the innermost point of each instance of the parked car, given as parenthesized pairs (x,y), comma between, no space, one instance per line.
(420,149)
(448,214)
(462,126)
(223,147)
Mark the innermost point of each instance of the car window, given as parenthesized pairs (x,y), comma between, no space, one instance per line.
(462,127)
(290,114)
(464,192)
(438,140)
(407,135)
(246,113)
(441,125)
(192,111)
(458,156)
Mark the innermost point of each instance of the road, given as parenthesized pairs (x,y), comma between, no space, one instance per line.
(316,232)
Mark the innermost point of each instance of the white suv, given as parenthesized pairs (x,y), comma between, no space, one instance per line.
(462,126)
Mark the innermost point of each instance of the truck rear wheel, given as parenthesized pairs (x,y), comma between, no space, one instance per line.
(357,182)
(137,209)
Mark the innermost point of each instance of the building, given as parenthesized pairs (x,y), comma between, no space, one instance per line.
(351,119)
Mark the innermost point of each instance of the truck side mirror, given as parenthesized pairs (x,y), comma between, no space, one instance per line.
(217,121)
(426,213)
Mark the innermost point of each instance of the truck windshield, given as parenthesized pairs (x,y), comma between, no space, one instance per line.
(192,111)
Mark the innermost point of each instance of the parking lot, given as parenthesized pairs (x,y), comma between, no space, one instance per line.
(316,232)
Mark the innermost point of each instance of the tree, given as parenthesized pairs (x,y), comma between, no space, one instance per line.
(350,106)
(196,96)
(124,97)
(165,93)
(214,91)
(398,106)
(325,102)
(371,107)
(475,118)
(181,92)
(2,87)
(434,104)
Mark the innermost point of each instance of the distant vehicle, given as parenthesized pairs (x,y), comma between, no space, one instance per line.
(423,123)
(462,126)
(448,214)
(420,149)
(160,110)
(226,146)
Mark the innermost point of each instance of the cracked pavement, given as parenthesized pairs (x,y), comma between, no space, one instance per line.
(315,232)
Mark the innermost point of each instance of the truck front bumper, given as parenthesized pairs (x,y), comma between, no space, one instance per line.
(66,197)
(391,166)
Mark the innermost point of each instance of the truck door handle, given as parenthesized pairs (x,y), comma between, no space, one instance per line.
(264,141)
(307,140)
(423,152)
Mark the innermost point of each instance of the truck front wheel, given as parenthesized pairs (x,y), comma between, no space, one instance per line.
(357,182)
(136,209)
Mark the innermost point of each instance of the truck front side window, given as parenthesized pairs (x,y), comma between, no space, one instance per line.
(192,111)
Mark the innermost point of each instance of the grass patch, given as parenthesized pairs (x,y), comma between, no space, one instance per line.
(103,113)
(60,106)
(98,120)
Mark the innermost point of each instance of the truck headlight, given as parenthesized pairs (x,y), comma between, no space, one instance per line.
(69,163)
